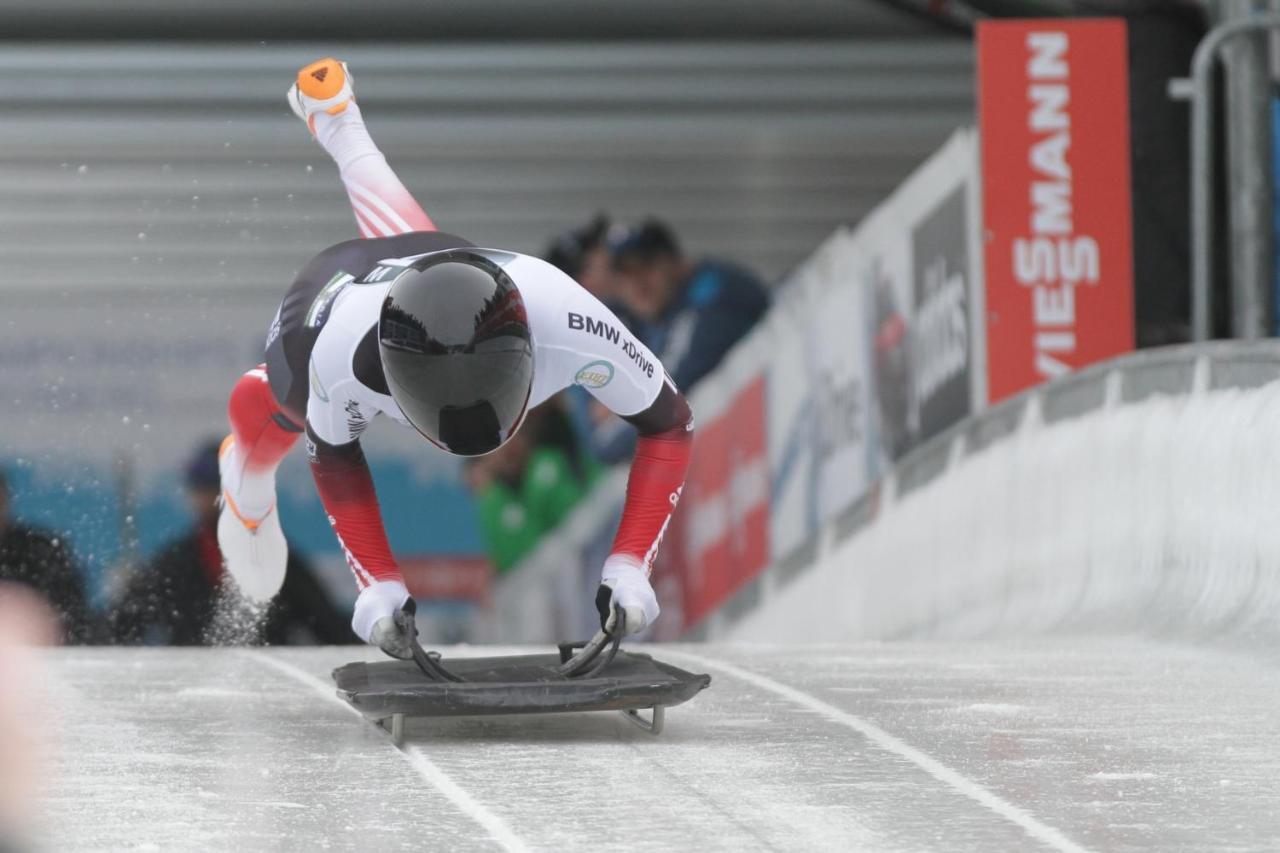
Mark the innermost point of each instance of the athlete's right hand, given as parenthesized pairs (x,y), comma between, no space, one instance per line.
(384,617)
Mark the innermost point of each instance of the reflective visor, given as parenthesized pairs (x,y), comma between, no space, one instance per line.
(457,351)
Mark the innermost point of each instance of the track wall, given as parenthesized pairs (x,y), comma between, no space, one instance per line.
(1141,495)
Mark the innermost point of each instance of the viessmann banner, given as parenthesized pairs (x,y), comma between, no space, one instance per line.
(1053,100)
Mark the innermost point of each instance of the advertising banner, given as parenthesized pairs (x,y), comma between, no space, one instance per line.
(840,387)
(1053,104)
(917,283)
(719,538)
(872,346)
(940,327)
(820,389)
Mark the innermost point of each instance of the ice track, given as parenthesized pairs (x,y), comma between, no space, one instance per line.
(1053,745)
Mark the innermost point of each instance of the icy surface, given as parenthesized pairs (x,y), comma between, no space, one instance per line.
(1116,745)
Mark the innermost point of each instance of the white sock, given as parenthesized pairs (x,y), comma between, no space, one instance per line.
(345,137)
(254,494)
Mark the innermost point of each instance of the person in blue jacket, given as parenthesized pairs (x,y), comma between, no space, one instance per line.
(689,314)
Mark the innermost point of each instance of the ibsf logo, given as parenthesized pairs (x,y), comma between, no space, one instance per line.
(597,374)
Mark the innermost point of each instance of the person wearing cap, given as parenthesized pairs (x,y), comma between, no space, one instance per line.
(174,599)
(42,561)
(688,313)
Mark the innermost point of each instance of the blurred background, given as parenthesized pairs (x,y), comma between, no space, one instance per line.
(152,173)
(157,197)
(975,302)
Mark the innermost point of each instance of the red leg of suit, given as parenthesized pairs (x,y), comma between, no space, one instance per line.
(262,438)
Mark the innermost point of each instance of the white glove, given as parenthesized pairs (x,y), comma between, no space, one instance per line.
(379,617)
(625,584)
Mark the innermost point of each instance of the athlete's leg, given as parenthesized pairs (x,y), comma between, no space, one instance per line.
(253,545)
(260,438)
(383,206)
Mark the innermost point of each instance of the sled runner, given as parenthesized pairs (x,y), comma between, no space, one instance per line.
(592,676)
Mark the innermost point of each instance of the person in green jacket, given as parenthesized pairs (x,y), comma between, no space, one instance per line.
(522,492)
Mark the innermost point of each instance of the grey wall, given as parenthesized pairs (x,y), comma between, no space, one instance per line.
(136,165)
(453,19)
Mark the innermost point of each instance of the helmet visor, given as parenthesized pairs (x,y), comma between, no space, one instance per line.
(457,352)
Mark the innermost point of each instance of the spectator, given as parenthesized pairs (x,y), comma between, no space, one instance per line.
(523,490)
(41,560)
(174,599)
(688,313)
(582,254)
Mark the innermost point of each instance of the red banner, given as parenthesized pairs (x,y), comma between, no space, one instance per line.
(1053,102)
(719,537)
(448,578)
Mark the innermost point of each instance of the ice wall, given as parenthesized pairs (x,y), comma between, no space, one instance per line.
(1156,510)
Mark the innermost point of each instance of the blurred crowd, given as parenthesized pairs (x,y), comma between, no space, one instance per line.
(688,312)
(180,596)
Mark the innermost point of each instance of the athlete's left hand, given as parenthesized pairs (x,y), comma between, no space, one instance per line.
(625,586)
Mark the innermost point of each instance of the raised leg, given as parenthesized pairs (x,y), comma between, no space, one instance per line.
(383,207)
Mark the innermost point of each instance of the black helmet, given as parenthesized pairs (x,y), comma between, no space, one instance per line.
(457,352)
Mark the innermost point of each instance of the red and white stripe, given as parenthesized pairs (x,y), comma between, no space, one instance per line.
(363,578)
(379,207)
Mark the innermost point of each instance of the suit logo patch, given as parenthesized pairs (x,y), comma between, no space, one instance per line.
(317,388)
(597,374)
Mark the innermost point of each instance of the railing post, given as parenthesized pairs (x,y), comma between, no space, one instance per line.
(1203,154)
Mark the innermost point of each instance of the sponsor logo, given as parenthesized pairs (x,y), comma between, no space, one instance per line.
(941,336)
(837,411)
(583,323)
(1058,223)
(601,329)
(940,328)
(1054,258)
(597,374)
(356,420)
(321,73)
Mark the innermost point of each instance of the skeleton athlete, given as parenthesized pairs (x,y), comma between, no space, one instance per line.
(454,340)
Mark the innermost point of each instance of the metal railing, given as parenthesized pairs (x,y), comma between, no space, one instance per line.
(1199,89)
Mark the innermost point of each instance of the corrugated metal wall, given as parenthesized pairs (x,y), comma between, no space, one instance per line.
(441,20)
(134,166)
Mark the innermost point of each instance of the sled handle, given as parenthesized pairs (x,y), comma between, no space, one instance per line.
(429,663)
(581,664)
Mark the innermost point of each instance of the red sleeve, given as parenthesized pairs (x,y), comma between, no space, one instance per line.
(657,476)
(346,490)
